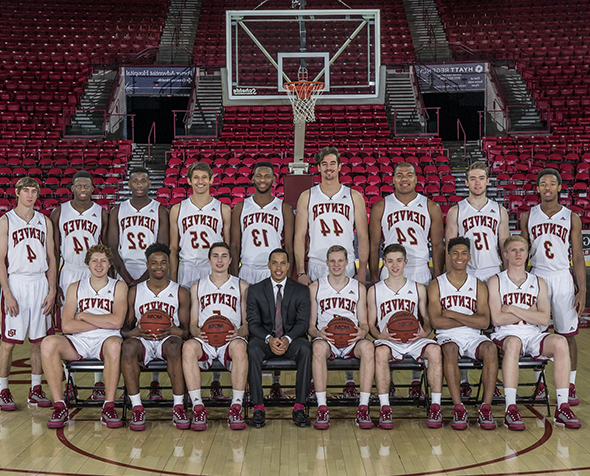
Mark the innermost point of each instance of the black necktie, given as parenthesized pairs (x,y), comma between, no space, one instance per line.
(279,313)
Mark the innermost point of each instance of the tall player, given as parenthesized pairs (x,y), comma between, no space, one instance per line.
(551,229)
(133,226)
(330,213)
(93,315)
(386,298)
(141,346)
(28,280)
(195,224)
(458,310)
(331,296)
(520,309)
(218,294)
(409,219)
(78,225)
(485,223)
(260,224)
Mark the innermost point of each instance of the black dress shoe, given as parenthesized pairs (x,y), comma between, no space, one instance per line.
(300,418)
(258,419)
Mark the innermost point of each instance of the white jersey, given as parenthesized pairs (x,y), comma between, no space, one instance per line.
(78,231)
(408,225)
(225,300)
(523,296)
(262,232)
(331,222)
(166,300)
(388,302)
(27,247)
(463,300)
(138,229)
(99,302)
(332,303)
(481,227)
(198,229)
(550,241)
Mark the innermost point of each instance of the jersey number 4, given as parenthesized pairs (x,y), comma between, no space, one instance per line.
(325,228)
(401,238)
(78,247)
(31,256)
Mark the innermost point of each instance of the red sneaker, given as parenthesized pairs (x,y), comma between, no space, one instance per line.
(155,391)
(59,417)
(6,402)
(98,392)
(573,399)
(322,420)
(235,418)
(363,419)
(37,397)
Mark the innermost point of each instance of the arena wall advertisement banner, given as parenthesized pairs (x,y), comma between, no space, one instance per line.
(158,80)
(445,77)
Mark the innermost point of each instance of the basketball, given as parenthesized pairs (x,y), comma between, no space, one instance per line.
(341,328)
(154,320)
(403,325)
(216,328)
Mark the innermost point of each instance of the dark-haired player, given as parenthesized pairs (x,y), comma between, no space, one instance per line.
(458,310)
(225,295)
(28,280)
(260,224)
(78,225)
(141,346)
(552,229)
(93,314)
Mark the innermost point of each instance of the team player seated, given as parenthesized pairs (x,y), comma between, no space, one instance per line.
(520,310)
(458,310)
(333,296)
(93,314)
(215,295)
(142,346)
(386,298)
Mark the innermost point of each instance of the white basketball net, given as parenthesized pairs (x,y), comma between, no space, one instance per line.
(303,96)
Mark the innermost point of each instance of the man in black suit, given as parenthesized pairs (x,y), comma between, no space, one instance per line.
(274,333)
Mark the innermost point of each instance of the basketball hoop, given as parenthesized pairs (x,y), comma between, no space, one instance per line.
(303,96)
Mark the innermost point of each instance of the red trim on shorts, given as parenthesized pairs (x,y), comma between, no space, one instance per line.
(477,349)
(73,347)
(569,334)
(163,353)
(421,358)
(541,356)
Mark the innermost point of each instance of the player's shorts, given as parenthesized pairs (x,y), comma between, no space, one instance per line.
(90,347)
(421,275)
(210,353)
(253,275)
(485,273)
(189,272)
(153,349)
(468,343)
(69,275)
(562,295)
(344,353)
(532,343)
(135,268)
(29,292)
(412,349)
(318,269)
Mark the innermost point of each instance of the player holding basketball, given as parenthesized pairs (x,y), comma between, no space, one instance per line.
(195,224)
(133,226)
(260,224)
(78,225)
(485,223)
(333,296)
(331,212)
(215,295)
(141,346)
(551,229)
(520,309)
(409,219)
(28,280)
(93,314)
(386,298)
(458,310)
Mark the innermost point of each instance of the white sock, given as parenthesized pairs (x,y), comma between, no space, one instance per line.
(36,380)
(135,400)
(237,397)
(3,383)
(216,376)
(384,399)
(573,377)
(510,394)
(537,375)
(364,398)
(391,374)
(464,376)
(276,378)
(195,396)
(416,375)
(435,398)
(178,399)
(156,377)
(97,377)
(562,395)
(321,398)
(349,376)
